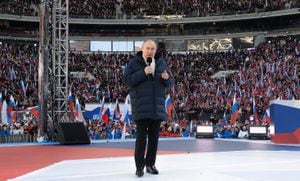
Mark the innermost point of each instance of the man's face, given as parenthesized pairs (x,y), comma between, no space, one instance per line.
(149,49)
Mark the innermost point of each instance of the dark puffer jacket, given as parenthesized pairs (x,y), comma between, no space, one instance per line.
(147,95)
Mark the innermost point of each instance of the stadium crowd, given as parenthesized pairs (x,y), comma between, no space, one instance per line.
(19,7)
(265,73)
(110,9)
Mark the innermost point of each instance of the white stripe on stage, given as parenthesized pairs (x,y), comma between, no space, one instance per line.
(208,166)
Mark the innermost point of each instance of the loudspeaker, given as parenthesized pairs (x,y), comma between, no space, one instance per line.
(72,133)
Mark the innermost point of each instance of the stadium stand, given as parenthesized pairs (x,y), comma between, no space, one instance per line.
(266,72)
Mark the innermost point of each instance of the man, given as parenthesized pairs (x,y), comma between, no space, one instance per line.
(147,78)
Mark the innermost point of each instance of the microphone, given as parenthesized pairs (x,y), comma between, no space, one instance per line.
(149,61)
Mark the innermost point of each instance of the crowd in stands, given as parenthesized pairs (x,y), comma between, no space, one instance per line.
(19,7)
(110,9)
(265,73)
(105,9)
(135,8)
(24,126)
(107,70)
(98,130)
(19,62)
(262,74)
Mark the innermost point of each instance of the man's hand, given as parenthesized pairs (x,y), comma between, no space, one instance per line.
(148,70)
(165,75)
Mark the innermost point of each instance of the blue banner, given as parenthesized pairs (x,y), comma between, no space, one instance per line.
(93,114)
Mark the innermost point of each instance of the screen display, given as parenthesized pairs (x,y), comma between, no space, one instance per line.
(257,130)
(204,129)
(100,46)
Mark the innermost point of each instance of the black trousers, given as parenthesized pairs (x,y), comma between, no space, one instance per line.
(151,128)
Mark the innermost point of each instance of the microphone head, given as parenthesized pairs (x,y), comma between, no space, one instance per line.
(149,60)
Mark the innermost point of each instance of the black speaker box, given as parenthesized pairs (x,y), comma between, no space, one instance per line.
(72,133)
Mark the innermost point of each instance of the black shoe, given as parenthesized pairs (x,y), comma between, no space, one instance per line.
(139,172)
(152,169)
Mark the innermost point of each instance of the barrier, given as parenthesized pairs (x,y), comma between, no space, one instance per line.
(18,138)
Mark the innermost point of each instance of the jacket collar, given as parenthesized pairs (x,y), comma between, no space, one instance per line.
(141,59)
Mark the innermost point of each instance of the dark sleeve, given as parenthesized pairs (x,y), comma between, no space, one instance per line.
(169,82)
(133,77)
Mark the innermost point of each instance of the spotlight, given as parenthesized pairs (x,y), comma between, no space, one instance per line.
(258,132)
(205,131)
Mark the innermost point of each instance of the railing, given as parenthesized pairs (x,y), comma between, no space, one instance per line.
(26,138)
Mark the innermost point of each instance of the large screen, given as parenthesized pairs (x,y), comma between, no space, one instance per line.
(100,46)
(123,46)
(257,130)
(205,129)
(76,46)
(176,45)
(243,42)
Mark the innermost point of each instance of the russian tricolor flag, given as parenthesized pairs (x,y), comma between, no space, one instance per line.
(125,114)
(266,118)
(34,111)
(234,110)
(23,88)
(224,119)
(117,112)
(78,112)
(10,107)
(1,101)
(102,106)
(3,112)
(71,105)
(169,107)
(255,112)
(106,115)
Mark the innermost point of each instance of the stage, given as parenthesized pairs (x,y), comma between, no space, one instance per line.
(178,159)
